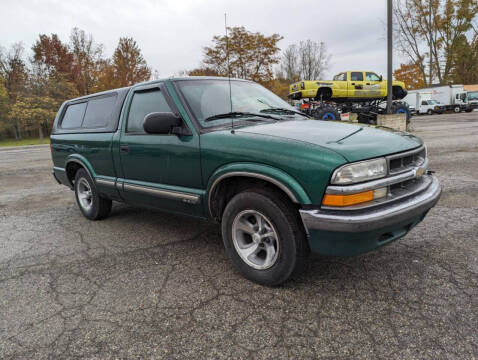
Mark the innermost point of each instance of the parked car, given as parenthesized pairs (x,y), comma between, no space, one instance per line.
(279,183)
(431,107)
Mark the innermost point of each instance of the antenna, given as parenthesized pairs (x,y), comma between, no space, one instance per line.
(228,70)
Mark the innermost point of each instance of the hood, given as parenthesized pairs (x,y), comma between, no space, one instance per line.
(353,142)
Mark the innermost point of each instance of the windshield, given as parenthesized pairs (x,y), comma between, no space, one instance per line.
(473,95)
(432,102)
(210,97)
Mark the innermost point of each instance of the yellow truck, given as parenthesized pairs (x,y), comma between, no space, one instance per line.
(347,86)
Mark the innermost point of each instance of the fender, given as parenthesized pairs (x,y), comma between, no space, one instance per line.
(268,173)
(80,159)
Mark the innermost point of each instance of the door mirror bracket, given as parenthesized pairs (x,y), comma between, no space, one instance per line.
(181,131)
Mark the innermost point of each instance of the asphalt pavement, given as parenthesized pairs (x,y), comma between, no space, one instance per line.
(143,284)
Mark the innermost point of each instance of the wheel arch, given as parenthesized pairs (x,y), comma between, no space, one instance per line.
(324,89)
(253,173)
(74,163)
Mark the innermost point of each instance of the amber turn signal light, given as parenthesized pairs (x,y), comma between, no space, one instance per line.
(347,200)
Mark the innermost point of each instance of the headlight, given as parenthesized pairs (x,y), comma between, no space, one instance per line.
(360,171)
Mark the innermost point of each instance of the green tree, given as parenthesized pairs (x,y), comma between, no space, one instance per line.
(4,105)
(15,74)
(465,61)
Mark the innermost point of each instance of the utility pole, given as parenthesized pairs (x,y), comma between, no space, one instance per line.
(430,39)
(389,55)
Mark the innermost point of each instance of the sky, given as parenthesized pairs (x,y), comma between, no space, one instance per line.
(172,33)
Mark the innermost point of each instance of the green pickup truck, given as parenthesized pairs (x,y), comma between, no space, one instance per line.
(230,151)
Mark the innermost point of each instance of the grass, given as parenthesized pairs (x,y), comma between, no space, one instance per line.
(23,142)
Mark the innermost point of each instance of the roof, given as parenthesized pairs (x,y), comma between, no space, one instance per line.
(99,94)
(154,82)
(471,87)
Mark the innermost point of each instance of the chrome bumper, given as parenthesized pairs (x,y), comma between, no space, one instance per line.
(376,217)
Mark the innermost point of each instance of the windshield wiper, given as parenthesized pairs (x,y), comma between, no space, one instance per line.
(279,110)
(236,114)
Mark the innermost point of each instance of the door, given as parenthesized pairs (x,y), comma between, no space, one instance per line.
(357,83)
(162,171)
(374,86)
(340,85)
(460,98)
(424,107)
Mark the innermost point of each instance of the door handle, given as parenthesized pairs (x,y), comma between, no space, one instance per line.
(353,83)
(124,149)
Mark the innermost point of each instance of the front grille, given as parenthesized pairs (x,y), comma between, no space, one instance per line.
(402,162)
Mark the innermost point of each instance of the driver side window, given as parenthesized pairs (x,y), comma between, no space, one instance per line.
(144,103)
(370,76)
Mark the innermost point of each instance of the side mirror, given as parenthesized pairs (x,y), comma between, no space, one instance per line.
(165,123)
(381,78)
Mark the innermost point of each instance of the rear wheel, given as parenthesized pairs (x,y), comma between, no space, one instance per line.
(326,113)
(263,236)
(398,93)
(92,206)
(401,108)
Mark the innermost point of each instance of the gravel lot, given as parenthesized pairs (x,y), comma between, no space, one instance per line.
(144,284)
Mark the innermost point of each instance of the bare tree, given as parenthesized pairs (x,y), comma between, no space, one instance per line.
(289,66)
(313,59)
(428,33)
(406,37)
(86,56)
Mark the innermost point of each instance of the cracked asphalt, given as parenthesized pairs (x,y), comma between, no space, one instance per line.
(144,284)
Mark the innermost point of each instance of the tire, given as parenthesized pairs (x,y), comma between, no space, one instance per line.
(457,109)
(92,206)
(398,93)
(326,113)
(401,108)
(469,110)
(323,94)
(430,112)
(275,258)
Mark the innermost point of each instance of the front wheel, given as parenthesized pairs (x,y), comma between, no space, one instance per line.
(457,109)
(430,112)
(263,236)
(326,113)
